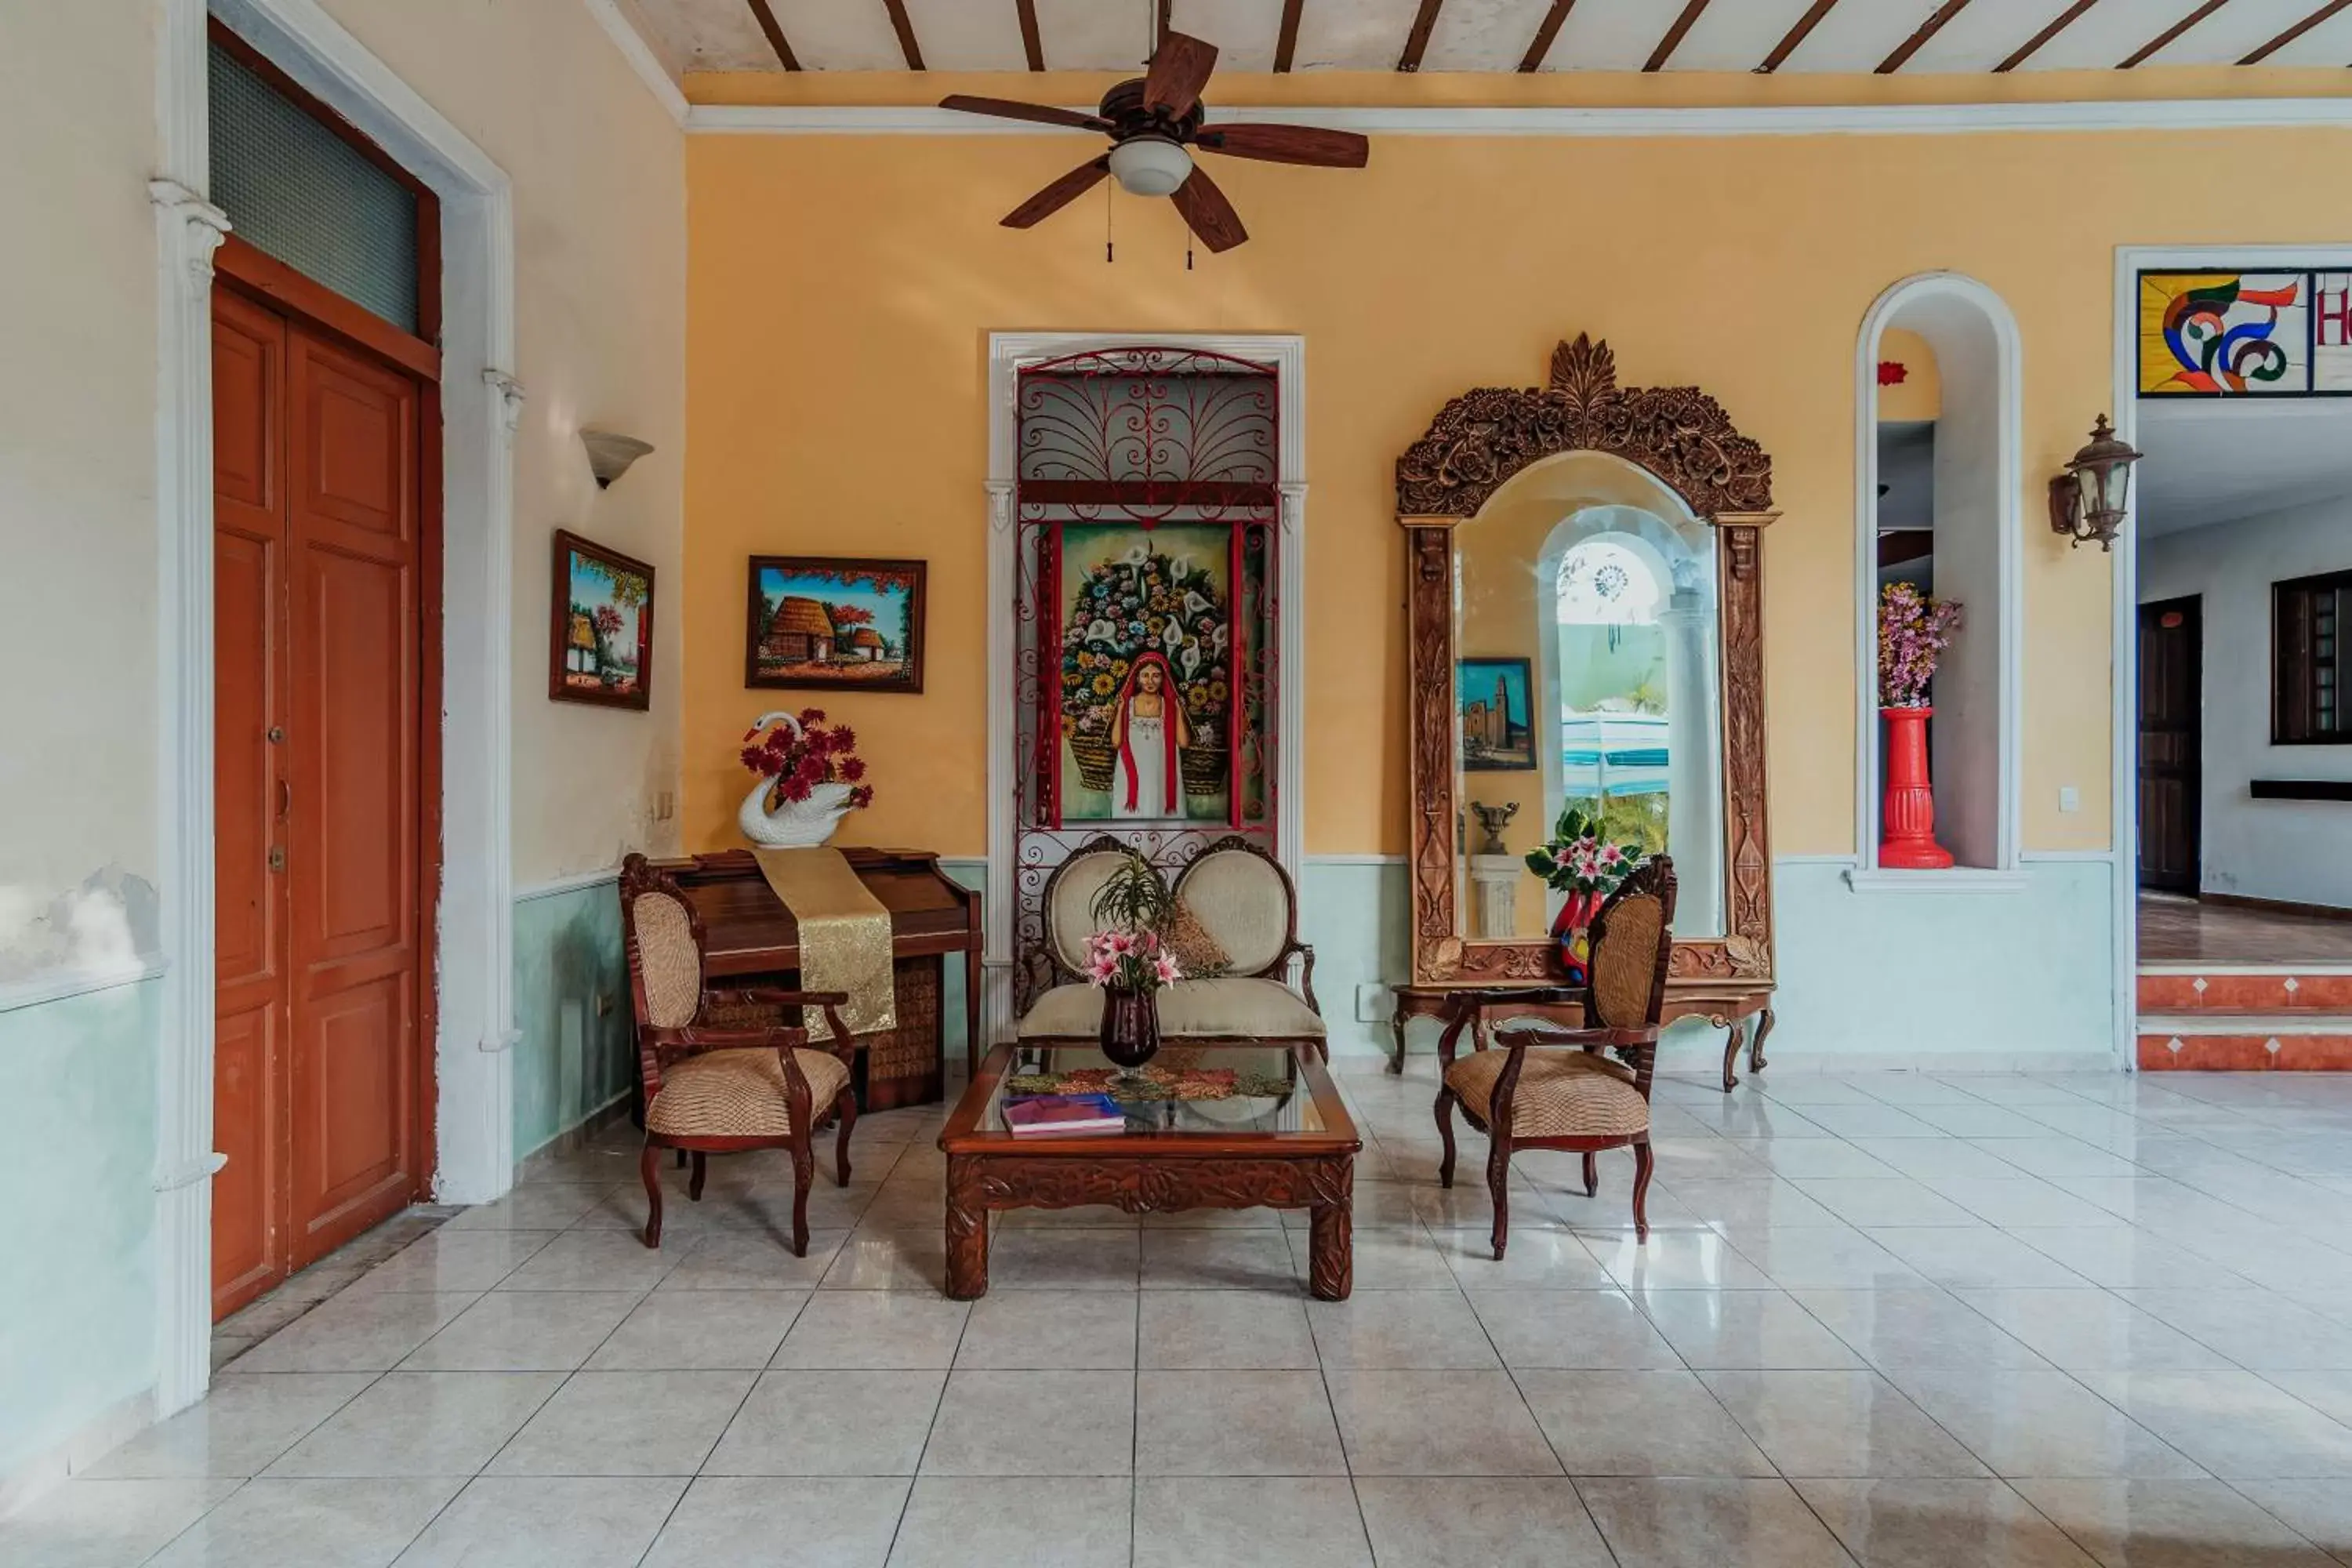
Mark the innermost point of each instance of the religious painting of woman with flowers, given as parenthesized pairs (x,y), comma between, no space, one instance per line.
(1147,689)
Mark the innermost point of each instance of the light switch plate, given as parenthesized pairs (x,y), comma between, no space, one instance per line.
(1373,1002)
(2069,798)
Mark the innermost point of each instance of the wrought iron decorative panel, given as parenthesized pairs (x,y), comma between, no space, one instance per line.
(1147,496)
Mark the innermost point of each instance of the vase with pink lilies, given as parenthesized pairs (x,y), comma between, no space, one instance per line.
(1128,961)
(1586,867)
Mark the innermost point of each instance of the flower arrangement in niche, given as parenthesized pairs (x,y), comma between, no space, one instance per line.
(1914,630)
(1578,861)
(809,775)
(1144,602)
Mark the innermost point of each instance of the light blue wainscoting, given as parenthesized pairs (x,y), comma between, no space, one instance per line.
(77,1230)
(2016,978)
(1947,978)
(1356,912)
(571,1006)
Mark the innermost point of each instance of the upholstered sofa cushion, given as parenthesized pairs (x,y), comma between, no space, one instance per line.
(1199,1009)
(1560,1094)
(739,1094)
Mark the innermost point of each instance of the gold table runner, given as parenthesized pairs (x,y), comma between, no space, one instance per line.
(845,936)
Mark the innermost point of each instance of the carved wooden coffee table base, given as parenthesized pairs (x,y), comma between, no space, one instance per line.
(1323,1185)
(1302,1156)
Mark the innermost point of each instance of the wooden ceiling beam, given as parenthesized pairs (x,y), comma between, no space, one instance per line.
(1285,43)
(1795,36)
(767,20)
(2174,31)
(1032,45)
(2058,24)
(1673,40)
(1545,31)
(1927,29)
(2292,34)
(902,25)
(1416,43)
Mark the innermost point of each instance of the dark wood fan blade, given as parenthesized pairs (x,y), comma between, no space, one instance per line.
(1012,109)
(1207,212)
(1287,145)
(1058,194)
(1179,69)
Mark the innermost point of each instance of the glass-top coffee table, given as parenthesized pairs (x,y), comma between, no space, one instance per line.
(1231,1124)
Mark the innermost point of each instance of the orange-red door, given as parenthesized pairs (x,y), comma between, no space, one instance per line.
(319,556)
(249,1243)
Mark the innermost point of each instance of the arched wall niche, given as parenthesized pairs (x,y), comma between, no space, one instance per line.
(1545,455)
(1976,560)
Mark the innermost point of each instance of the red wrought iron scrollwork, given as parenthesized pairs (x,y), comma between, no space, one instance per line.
(1148,437)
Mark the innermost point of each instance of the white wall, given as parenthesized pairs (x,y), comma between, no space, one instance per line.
(77,602)
(2296,851)
(599,177)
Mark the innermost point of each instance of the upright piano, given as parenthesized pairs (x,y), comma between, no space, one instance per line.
(751,939)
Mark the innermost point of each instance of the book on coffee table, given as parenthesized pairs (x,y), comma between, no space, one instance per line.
(1062,1115)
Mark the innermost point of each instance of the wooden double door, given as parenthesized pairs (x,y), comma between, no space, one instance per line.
(322,558)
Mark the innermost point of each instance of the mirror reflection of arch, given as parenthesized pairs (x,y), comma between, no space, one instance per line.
(1630,672)
(1601,577)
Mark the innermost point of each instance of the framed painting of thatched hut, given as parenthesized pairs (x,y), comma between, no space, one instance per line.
(601,631)
(831,623)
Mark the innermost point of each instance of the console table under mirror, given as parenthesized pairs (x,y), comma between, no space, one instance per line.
(1585,627)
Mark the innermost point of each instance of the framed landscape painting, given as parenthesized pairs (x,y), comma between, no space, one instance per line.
(601,627)
(832,623)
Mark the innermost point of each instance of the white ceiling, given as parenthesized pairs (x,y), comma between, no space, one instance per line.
(1855,35)
(2217,462)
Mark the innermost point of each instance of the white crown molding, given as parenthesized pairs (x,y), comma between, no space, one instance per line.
(555,887)
(641,58)
(1958,879)
(60,985)
(1850,119)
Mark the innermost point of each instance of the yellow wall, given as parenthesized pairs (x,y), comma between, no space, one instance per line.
(842,289)
(1920,394)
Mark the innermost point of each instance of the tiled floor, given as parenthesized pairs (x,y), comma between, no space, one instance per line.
(2186,930)
(1881,1321)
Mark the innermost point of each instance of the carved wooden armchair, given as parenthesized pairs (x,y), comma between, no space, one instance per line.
(1539,1086)
(1237,919)
(721,1070)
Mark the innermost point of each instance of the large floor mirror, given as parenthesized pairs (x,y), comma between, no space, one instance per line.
(1586,628)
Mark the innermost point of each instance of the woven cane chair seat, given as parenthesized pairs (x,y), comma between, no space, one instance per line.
(740,1093)
(1560,1094)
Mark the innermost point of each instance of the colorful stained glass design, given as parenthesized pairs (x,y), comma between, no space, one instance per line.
(2224,334)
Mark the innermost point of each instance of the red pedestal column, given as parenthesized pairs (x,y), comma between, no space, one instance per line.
(1909,813)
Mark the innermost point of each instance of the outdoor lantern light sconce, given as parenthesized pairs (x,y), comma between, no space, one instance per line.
(609,456)
(2086,500)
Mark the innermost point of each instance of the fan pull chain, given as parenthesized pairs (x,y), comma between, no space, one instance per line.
(1188,253)
(1108,256)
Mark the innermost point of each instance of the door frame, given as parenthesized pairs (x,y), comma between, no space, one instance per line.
(472,954)
(2193,604)
(2122,614)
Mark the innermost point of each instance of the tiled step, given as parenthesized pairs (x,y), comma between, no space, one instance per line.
(2212,1041)
(2238,989)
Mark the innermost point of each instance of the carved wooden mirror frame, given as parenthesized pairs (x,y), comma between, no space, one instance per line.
(1684,438)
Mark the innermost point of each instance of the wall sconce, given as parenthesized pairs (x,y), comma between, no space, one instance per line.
(2086,501)
(609,456)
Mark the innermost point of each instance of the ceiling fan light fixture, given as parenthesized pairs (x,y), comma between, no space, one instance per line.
(1150,165)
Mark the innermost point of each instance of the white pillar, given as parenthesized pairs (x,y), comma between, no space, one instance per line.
(1694,763)
(1496,878)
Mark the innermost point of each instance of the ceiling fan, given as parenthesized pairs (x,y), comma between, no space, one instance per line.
(1154,121)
